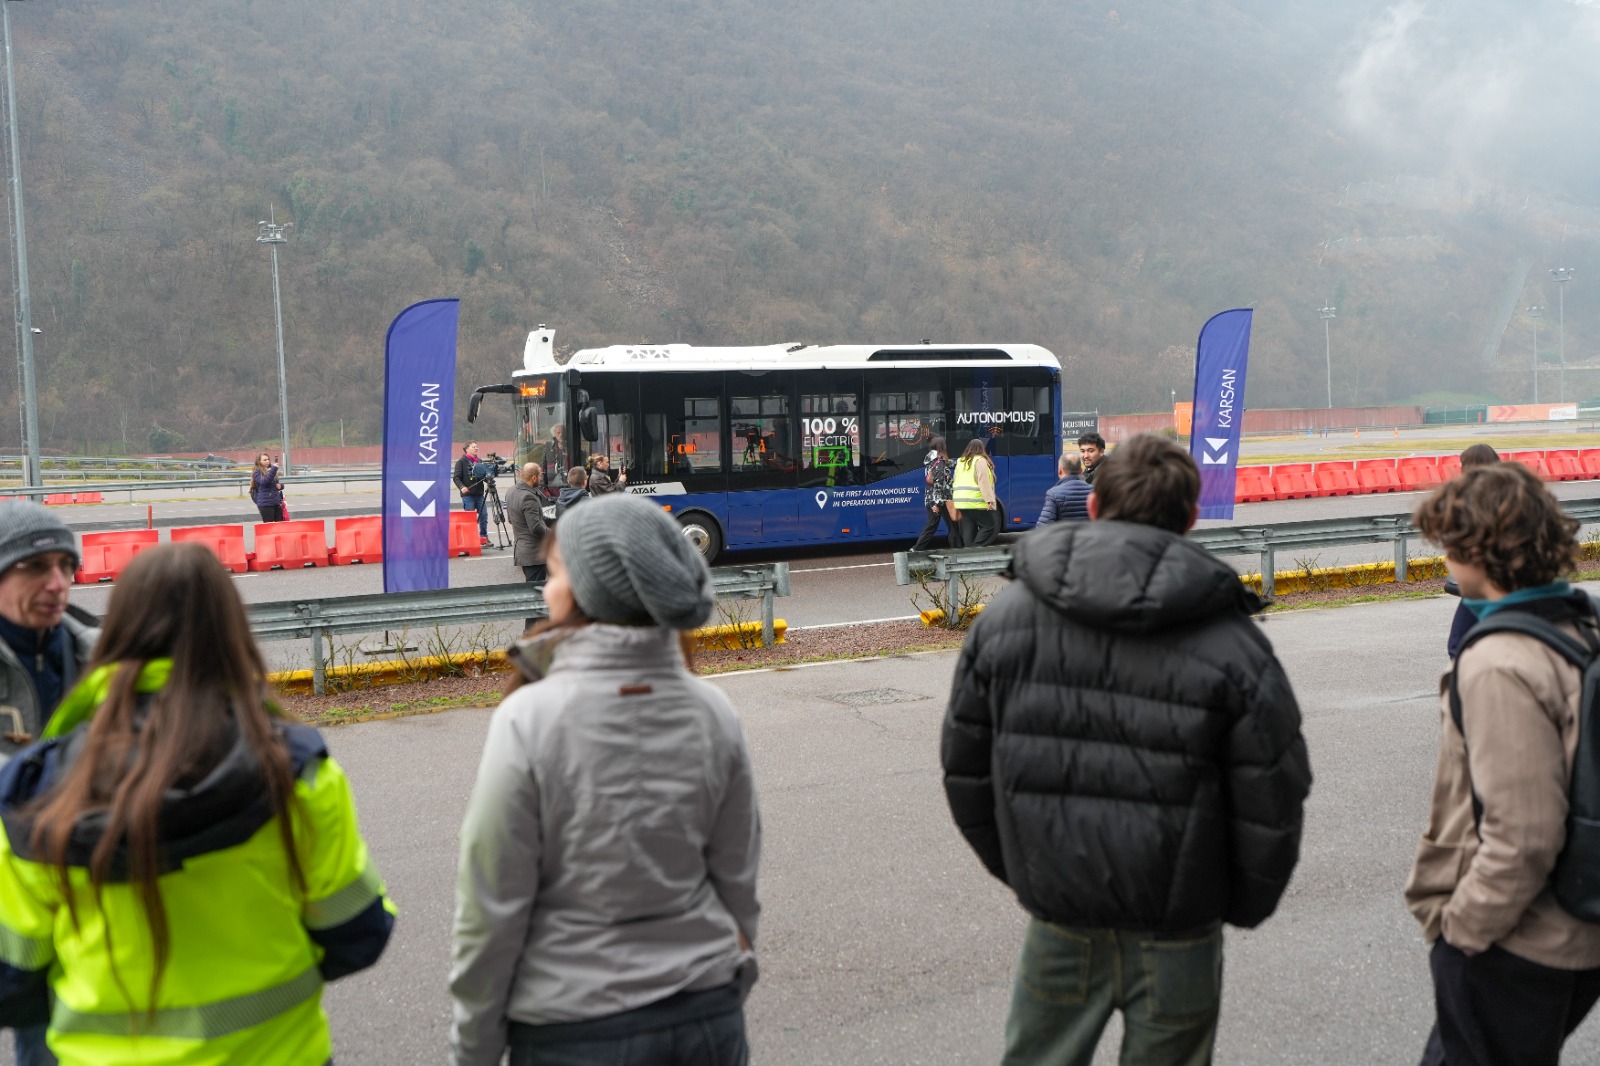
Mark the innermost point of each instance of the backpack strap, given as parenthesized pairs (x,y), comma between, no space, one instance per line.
(1577,652)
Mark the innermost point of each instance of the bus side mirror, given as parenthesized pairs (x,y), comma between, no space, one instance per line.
(589,424)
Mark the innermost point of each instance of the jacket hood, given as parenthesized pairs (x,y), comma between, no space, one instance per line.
(221,810)
(1127,577)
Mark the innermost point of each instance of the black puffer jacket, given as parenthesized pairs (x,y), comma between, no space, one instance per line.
(1122,747)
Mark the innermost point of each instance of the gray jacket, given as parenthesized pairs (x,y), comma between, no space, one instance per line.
(609,852)
(16,688)
(525,512)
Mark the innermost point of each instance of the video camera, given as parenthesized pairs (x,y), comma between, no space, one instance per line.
(492,466)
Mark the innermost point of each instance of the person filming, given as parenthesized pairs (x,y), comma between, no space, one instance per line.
(266,490)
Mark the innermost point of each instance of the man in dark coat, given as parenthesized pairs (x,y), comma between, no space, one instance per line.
(525,512)
(1068,499)
(1123,749)
(469,481)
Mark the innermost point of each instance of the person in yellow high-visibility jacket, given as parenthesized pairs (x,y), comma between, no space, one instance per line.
(180,869)
(974,498)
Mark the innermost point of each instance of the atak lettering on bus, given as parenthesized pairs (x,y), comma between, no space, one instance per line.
(1225,400)
(428,439)
(989,418)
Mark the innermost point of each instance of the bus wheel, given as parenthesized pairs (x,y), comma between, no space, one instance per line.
(702,531)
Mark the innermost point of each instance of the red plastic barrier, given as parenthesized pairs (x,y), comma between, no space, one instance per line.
(1449,466)
(1377,475)
(1532,460)
(58,497)
(1563,464)
(290,545)
(105,555)
(1336,479)
(1293,481)
(1418,473)
(1589,460)
(464,533)
(225,542)
(87,497)
(358,540)
(1253,484)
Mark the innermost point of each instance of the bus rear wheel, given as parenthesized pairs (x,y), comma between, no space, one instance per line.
(703,533)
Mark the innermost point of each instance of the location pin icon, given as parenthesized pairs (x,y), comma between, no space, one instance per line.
(822,499)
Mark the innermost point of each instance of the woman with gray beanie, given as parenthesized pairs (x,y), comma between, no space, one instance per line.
(606,904)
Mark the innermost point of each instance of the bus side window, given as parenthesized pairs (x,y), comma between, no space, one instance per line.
(1029,422)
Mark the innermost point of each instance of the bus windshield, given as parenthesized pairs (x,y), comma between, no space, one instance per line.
(541,406)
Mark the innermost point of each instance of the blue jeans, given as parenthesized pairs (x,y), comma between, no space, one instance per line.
(1169,991)
(475,503)
(688,1029)
(31,1048)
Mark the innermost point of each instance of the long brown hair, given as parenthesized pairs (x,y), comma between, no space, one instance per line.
(173,601)
(260,467)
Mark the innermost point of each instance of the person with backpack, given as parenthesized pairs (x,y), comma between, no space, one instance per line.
(181,870)
(1515,970)
(938,475)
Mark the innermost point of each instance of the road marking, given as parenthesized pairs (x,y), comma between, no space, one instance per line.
(823,569)
(865,622)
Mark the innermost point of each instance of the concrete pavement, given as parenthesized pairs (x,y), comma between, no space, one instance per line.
(884,942)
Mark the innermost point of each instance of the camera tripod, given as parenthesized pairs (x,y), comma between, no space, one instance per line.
(497,512)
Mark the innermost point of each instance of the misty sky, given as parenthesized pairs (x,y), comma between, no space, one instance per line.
(1496,89)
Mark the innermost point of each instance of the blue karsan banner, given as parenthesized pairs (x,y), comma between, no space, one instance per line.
(419,391)
(1220,362)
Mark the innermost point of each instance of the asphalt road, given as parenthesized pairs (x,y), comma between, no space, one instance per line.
(831,585)
(884,942)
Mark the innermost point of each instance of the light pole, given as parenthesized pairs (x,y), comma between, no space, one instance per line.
(1327,314)
(273,234)
(31,475)
(1562,276)
(1534,312)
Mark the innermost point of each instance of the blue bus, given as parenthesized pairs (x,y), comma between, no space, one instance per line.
(780,445)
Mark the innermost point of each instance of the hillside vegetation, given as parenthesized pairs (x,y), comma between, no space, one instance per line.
(1098,181)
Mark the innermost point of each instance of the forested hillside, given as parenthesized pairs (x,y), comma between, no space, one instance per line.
(1098,180)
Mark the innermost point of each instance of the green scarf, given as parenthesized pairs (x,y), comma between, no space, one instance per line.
(87,695)
(1484,608)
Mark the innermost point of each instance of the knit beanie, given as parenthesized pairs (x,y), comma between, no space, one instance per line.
(28,529)
(629,564)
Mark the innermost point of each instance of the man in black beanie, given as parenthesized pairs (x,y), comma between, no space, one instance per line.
(43,650)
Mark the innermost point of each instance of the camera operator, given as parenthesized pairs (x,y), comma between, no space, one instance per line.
(469,479)
(525,512)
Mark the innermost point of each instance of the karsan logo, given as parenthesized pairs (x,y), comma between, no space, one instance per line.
(989,418)
(419,489)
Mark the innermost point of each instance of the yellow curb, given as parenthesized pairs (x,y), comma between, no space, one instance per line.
(936,617)
(739,635)
(389,672)
(1347,577)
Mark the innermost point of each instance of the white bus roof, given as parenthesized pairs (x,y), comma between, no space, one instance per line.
(538,356)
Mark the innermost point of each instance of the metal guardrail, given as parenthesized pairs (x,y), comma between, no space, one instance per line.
(239,481)
(514,601)
(1265,541)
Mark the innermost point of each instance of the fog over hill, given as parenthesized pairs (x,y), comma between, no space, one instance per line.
(1098,181)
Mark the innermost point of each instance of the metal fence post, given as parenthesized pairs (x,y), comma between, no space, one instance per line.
(1269,569)
(768,637)
(319,673)
(1401,570)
